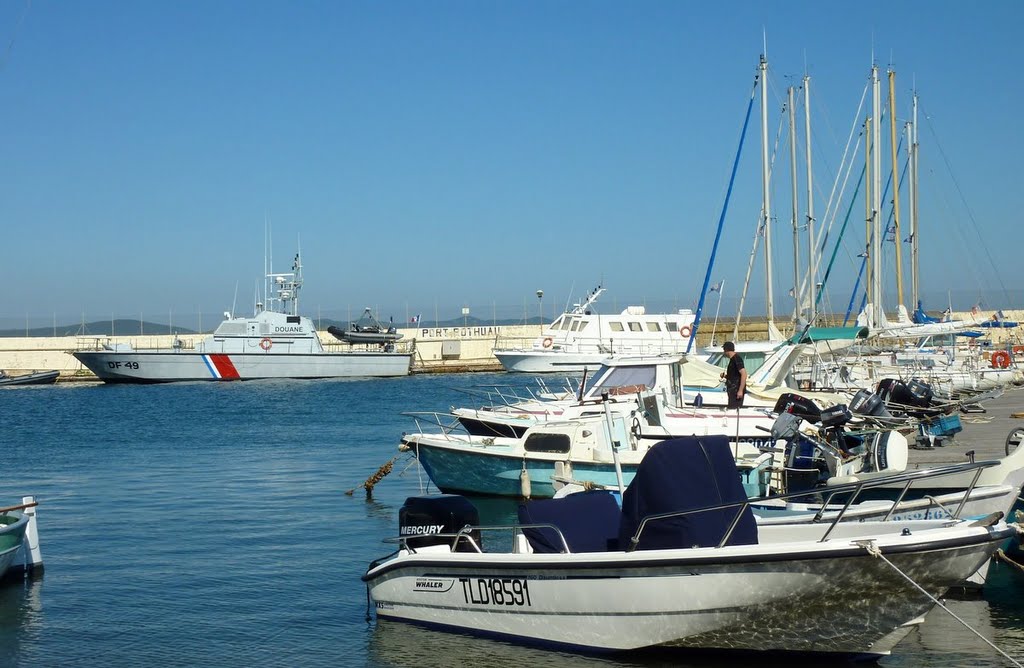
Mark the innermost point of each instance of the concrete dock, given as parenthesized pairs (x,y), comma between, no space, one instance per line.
(984,433)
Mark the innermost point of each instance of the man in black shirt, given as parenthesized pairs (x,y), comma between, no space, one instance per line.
(735,376)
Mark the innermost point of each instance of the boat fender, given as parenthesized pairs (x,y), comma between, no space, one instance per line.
(684,331)
(547,342)
(524,482)
(266,343)
(1018,351)
(1000,359)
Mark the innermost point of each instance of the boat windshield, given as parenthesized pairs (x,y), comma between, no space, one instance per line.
(623,378)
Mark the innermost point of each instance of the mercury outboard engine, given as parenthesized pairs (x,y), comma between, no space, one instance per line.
(427,516)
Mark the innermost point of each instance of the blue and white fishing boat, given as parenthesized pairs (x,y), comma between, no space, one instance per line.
(590,448)
(19,541)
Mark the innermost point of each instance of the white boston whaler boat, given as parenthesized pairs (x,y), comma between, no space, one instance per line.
(682,565)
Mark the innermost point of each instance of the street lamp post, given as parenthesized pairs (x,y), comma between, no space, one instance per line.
(540,301)
(465,316)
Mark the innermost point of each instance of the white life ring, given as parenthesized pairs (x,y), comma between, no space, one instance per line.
(547,342)
(684,331)
(266,343)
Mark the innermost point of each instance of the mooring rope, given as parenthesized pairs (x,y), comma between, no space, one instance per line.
(1002,556)
(875,551)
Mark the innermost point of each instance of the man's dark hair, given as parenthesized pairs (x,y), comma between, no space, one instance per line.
(728,347)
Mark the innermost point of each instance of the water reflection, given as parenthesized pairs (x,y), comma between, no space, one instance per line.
(21,617)
(398,645)
(943,641)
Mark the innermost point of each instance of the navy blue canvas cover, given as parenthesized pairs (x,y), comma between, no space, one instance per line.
(684,474)
(588,520)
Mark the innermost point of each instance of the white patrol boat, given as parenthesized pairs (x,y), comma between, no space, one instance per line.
(581,338)
(275,343)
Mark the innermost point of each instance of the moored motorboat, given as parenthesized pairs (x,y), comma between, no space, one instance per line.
(580,338)
(275,343)
(682,565)
(33,378)
(366,330)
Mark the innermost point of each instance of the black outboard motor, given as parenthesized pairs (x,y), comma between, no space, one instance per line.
(866,402)
(921,391)
(914,398)
(800,406)
(803,470)
(427,516)
(836,416)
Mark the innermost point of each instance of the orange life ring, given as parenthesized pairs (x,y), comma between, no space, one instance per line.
(1018,350)
(684,331)
(1000,359)
(547,342)
(266,343)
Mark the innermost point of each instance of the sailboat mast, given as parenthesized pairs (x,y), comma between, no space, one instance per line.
(914,211)
(812,285)
(796,205)
(765,195)
(876,204)
(895,190)
(869,183)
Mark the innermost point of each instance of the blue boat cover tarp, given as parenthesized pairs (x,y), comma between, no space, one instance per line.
(685,474)
(588,520)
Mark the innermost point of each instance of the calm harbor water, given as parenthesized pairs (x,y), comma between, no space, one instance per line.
(206,524)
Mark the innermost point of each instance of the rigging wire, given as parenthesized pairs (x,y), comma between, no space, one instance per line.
(970,214)
(14,35)
(721,221)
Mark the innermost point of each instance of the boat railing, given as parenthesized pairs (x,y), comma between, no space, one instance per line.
(465,535)
(446,422)
(853,489)
(634,343)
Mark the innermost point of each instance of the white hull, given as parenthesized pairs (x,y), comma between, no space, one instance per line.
(793,595)
(531,361)
(167,366)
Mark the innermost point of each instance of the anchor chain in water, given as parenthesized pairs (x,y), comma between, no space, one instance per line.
(374,479)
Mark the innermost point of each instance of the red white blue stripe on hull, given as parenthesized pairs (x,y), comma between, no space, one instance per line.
(165,366)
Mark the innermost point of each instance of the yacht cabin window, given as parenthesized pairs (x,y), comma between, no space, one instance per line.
(635,327)
(547,443)
(653,327)
(615,326)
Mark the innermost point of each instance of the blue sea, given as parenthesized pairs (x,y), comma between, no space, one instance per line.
(207,524)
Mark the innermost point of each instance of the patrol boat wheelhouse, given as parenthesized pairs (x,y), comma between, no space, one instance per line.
(275,343)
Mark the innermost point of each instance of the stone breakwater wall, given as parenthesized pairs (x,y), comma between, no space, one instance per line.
(436,348)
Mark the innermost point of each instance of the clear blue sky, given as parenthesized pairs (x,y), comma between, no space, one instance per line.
(448,153)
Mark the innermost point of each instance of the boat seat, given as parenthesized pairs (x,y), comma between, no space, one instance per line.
(686,474)
(588,520)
